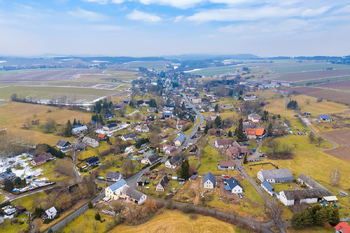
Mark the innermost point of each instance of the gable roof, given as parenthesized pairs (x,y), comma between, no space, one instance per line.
(175,159)
(164,181)
(267,185)
(343,226)
(113,175)
(180,138)
(224,142)
(210,177)
(284,174)
(227,164)
(324,116)
(134,194)
(42,157)
(254,115)
(307,193)
(232,182)
(154,157)
(62,143)
(92,159)
(101,135)
(117,185)
(257,132)
(129,135)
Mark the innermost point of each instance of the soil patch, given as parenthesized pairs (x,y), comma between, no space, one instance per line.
(342,139)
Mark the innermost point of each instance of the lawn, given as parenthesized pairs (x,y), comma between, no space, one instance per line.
(2,197)
(86,223)
(48,171)
(7,227)
(250,192)
(176,221)
(150,190)
(91,152)
(187,132)
(27,201)
(210,162)
(310,229)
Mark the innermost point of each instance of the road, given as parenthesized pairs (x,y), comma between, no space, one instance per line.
(79,179)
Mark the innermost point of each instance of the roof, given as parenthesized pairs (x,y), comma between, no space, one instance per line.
(170,148)
(227,163)
(62,143)
(112,125)
(113,175)
(101,135)
(42,157)
(257,132)
(244,149)
(193,177)
(167,114)
(254,115)
(154,157)
(80,128)
(129,135)
(343,226)
(182,122)
(175,159)
(324,116)
(224,142)
(92,160)
(164,181)
(267,185)
(134,194)
(277,174)
(21,208)
(307,193)
(51,211)
(251,126)
(232,182)
(180,138)
(126,99)
(5,175)
(117,185)
(210,177)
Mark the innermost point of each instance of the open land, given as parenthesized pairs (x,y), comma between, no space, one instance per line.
(302,67)
(175,221)
(342,139)
(344,85)
(310,75)
(336,96)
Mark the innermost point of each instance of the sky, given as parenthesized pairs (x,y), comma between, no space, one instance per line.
(174,27)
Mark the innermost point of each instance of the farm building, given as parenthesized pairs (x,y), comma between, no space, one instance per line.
(209,181)
(79,130)
(233,186)
(224,143)
(133,195)
(225,165)
(324,117)
(268,187)
(276,175)
(163,182)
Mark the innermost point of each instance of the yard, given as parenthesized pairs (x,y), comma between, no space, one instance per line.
(27,201)
(176,221)
(7,227)
(150,190)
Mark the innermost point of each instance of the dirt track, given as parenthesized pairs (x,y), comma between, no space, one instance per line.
(342,139)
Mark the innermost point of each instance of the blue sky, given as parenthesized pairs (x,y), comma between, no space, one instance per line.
(173,27)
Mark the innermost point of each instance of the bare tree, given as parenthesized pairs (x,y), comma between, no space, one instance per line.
(276,211)
(37,225)
(320,140)
(335,176)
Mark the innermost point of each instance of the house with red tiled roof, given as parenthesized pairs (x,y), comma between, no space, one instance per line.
(342,227)
(255,133)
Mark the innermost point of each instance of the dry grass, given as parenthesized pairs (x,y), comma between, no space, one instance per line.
(175,221)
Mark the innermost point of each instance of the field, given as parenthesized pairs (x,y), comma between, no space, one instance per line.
(27,201)
(47,75)
(210,162)
(157,65)
(344,85)
(337,96)
(208,72)
(310,75)
(342,139)
(175,221)
(322,80)
(307,67)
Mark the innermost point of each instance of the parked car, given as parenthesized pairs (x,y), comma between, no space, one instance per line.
(240,195)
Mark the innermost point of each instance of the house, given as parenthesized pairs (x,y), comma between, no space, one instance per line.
(179,140)
(162,183)
(237,150)
(133,195)
(79,130)
(126,100)
(114,176)
(214,116)
(342,227)
(249,97)
(7,176)
(201,127)
(147,123)
(255,133)
(182,123)
(110,127)
(143,103)
(90,142)
(114,190)
(268,188)
(152,159)
(233,186)
(50,213)
(225,165)
(41,159)
(196,100)
(276,175)
(151,116)
(128,136)
(167,115)
(173,162)
(93,161)
(120,105)
(254,117)
(224,143)
(170,149)
(324,117)
(108,116)
(193,178)
(63,145)
(21,209)
(80,147)
(309,196)
(142,129)
(211,109)
(151,109)
(209,181)
(169,106)
(102,137)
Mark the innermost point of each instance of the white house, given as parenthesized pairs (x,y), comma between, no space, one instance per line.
(196,100)
(170,149)
(233,186)
(254,117)
(275,175)
(209,181)
(50,213)
(173,162)
(115,189)
(90,142)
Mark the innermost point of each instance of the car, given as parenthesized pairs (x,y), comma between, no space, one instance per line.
(226,176)
(240,195)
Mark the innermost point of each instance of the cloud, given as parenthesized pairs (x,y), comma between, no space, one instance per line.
(345,9)
(108,27)
(24,6)
(178,18)
(314,12)
(103,2)
(87,15)
(183,4)
(143,16)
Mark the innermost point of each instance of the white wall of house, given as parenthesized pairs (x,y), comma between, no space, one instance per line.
(142,199)
(308,200)
(208,185)
(282,197)
(270,193)
(237,189)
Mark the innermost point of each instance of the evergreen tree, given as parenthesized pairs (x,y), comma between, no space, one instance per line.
(321,216)
(230,134)
(74,122)
(297,221)
(206,129)
(218,121)
(153,103)
(216,108)
(185,167)
(68,129)
(100,119)
(8,185)
(239,131)
(245,160)
(335,219)
(183,106)
(307,218)
(269,130)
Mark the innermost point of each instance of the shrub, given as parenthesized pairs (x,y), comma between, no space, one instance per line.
(193,216)
(57,216)
(187,209)
(90,205)
(97,217)
(47,221)
(155,166)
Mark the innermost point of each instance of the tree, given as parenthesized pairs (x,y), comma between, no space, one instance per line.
(245,160)
(312,137)
(239,131)
(153,103)
(90,205)
(269,130)
(216,108)
(68,129)
(183,106)
(297,221)
(230,134)
(277,212)
(50,230)
(50,125)
(155,140)
(8,170)
(335,176)
(128,167)
(218,121)
(206,129)
(273,145)
(319,140)
(97,216)
(18,181)
(183,171)
(8,185)
(37,225)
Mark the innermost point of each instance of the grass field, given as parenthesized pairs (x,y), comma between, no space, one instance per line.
(157,65)
(86,221)
(323,80)
(7,227)
(208,72)
(210,162)
(311,229)
(301,68)
(175,221)
(27,201)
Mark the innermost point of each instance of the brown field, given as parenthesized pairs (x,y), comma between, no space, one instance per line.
(336,96)
(53,75)
(342,139)
(304,76)
(343,85)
